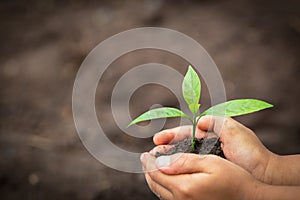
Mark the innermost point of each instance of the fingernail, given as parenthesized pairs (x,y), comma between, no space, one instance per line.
(163,161)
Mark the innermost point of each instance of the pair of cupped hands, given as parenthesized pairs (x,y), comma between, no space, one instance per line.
(250,171)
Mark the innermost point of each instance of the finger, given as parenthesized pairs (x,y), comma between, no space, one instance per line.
(224,127)
(217,124)
(172,135)
(206,123)
(186,163)
(177,134)
(150,168)
(148,162)
(160,191)
(160,149)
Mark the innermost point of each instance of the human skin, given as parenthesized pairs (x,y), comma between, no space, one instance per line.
(253,173)
(194,177)
(240,146)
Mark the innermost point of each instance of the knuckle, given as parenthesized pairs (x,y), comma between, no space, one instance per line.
(229,123)
(226,121)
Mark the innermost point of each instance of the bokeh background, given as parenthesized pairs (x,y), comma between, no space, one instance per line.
(254,43)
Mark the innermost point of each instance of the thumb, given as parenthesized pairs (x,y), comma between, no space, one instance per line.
(212,123)
(185,163)
(224,127)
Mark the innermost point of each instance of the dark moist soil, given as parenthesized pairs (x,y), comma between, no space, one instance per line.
(202,146)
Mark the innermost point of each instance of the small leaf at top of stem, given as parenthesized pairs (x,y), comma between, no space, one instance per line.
(191,89)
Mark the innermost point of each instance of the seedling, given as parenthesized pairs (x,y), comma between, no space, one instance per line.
(191,89)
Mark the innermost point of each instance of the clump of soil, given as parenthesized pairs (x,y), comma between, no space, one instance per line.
(202,146)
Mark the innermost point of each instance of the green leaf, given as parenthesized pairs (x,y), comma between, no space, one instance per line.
(194,108)
(237,107)
(157,113)
(191,88)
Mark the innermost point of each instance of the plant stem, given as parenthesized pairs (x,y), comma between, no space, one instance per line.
(194,132)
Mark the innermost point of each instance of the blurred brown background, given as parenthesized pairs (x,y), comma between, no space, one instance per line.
(254,43)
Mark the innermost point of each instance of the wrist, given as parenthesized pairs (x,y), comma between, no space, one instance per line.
(271,169)
(283,170)
(253,190)
(261,191)
(275,192)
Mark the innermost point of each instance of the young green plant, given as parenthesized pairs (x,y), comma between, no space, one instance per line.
(191,89)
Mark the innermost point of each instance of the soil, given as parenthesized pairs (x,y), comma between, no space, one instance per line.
(202,146)
(254,43)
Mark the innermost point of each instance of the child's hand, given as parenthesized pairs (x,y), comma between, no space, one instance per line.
(239,144)
(190,176)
